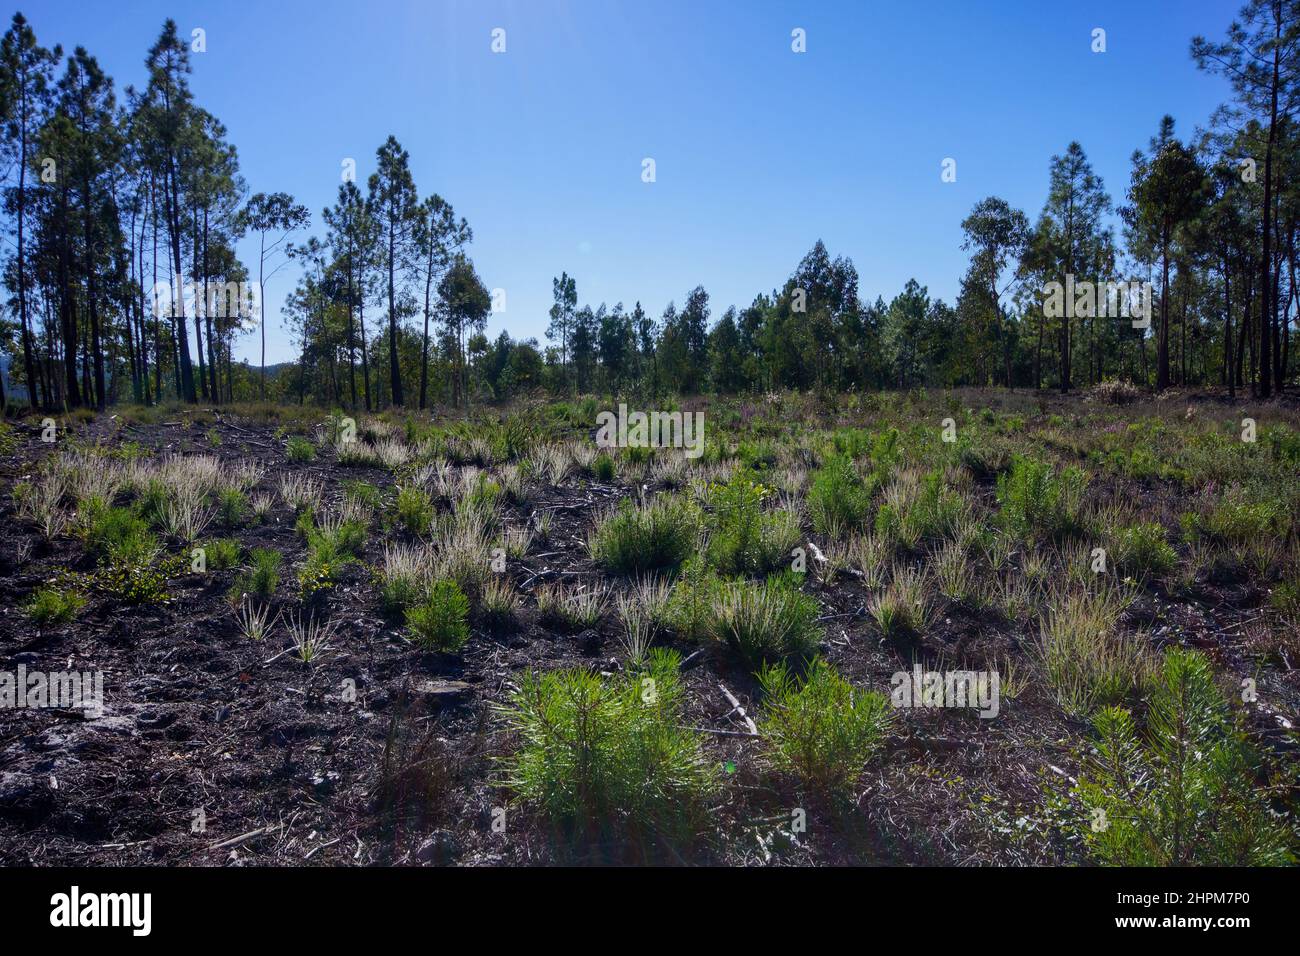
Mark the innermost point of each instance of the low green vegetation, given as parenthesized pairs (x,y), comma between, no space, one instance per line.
(54,606)
(745,539)
(839,500)
(1184,790)
(820,728)
(601,755)
(299,449)
(262,576)
(1141,551)
(414,510)
(655,537)
(768,621)
(1040,502)
(439,621)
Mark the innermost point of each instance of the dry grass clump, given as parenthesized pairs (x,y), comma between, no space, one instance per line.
(185,516)
(1085,658)
(572,608)
(404,573)
(301,492)
(554,463)
(39,501)
(903,609)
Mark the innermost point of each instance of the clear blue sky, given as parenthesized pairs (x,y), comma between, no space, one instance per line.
(759,151)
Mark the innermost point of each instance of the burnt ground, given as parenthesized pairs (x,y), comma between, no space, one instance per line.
(285,770)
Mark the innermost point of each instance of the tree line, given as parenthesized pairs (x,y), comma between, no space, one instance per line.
(105,198)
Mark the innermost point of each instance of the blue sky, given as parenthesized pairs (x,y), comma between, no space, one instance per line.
(759,151)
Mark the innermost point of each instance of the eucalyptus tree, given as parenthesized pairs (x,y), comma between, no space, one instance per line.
(351,235)
(565,292)
(1167,193)
(392,203)
(463,304)
(274,217)
(998,233)
(1068,233)
(438,237)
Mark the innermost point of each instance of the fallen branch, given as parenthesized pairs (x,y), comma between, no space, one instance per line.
(242,838)
(737,709)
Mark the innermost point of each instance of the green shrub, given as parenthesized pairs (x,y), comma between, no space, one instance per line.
(744,539)
(263,574)
(1037,502)
(658,536)
(1286,598)
(880,447)
(1141,551)
(363,492)
(299,449)
(399,588)
(440,620)
(819,727)
(1283,444)
(852,443)
(330,548)
(320,572)
(222,553)
(342,540)
(838,498)
(414,509)
(51,606)
(305,523)
(1236,518)
(138,579)
(690,607)
(936,511)
(232,507)
(121,533)
(482,503)
(602,467)
(759,455)
(609,755)
(150,502)
(765,621)
(1185,792)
